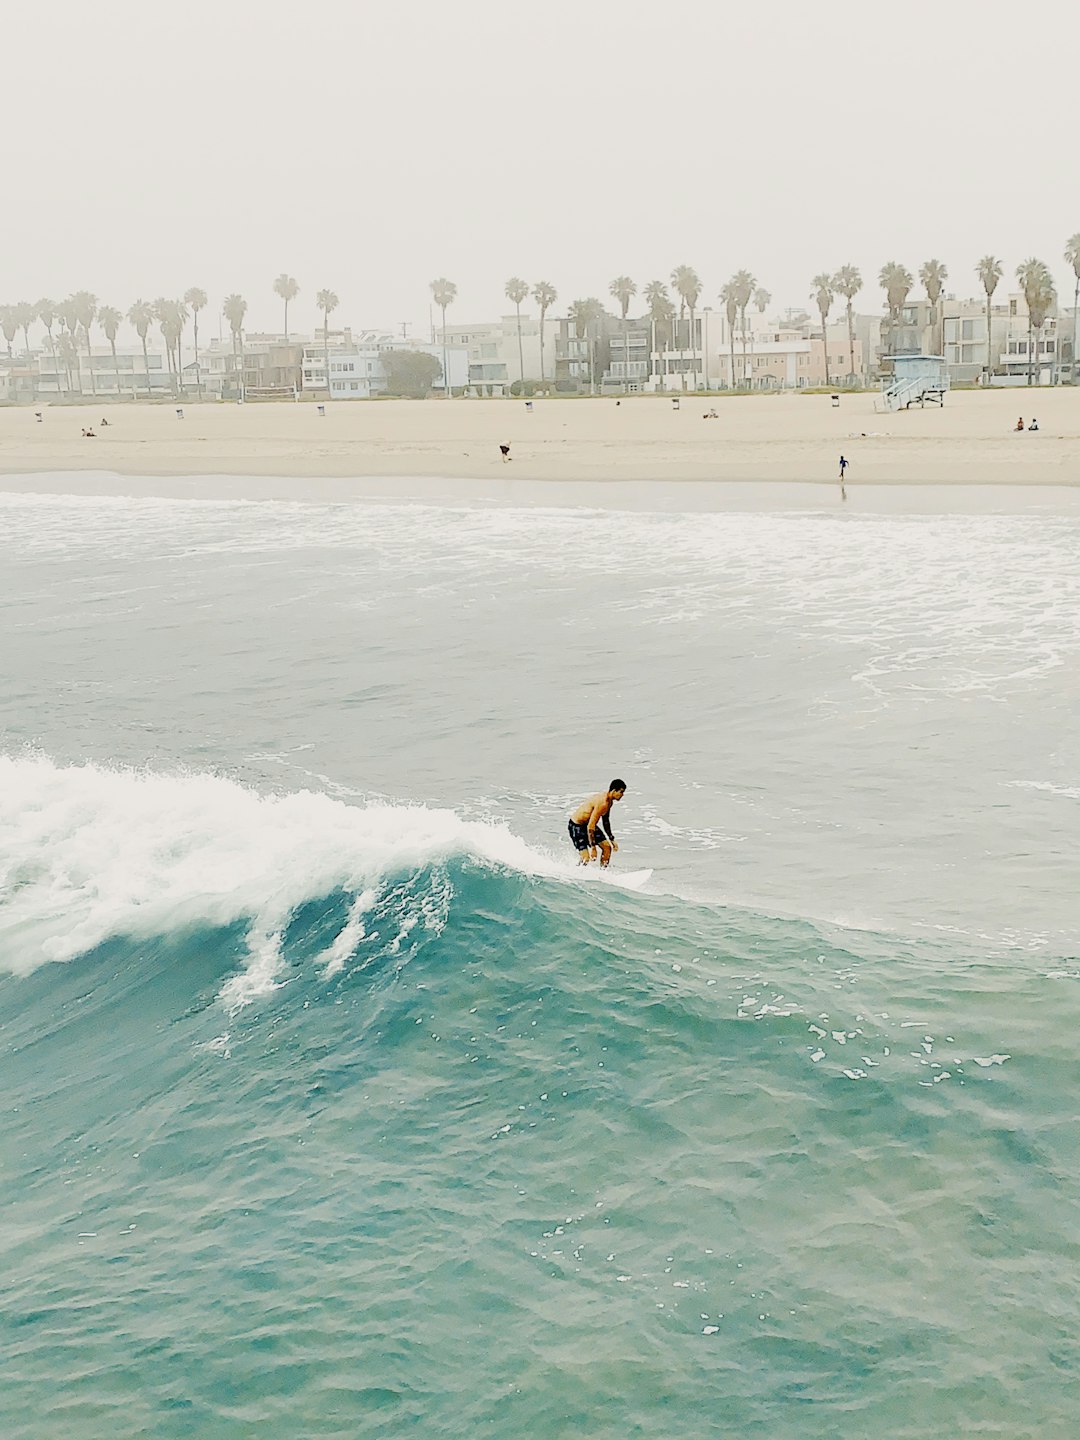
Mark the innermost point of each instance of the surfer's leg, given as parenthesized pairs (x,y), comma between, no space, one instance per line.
(605,854)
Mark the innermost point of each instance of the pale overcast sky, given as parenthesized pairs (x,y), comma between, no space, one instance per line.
(372,147)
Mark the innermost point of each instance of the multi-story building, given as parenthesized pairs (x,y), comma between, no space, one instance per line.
(495,359)
(131,375)
(357,371)
(266,365)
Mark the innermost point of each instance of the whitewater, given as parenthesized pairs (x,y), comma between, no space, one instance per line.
(339,1102)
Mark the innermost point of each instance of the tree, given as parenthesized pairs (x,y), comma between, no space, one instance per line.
(730,297)
(445,293)
(164,314)
(896,281)
(623,289)
(46,313)
(410,372)
(9,323)
(85,306)
(286,288)
(585,314)
(989,271)
(140,315)
(1039,298)
(25,315)
(1072,255)
(109,319)
(234,309)
(545,296)
(744,284)
(822,293)
(687,286)
(661,314)
(327,302)
(195,299)
(848,282)
(762,300)
(179,320)
(69,315)
(933,275)
(516,291)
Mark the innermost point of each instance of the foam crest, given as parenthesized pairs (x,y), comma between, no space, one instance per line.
(88,853)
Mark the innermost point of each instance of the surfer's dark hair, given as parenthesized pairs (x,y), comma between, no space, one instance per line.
(617,785)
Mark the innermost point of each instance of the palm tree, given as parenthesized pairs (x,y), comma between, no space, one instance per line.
(85,306)
(1039,297)
(327,302)
(848,282)
(545,296)
(933,275)
(25,315)
(989,271)
(109,319)
(163,314)
(896,281)
(1072,255)
(180,319)
(234,309)
(46,313)
(140,315)
(9,323)
(195,299)
(286,288)
(822,292)
(517,290)
(661,312)
(685,282)
(623,289)
(762,300)
(70,316)
(744,284)
(730,298)
(445,293)
(585,314)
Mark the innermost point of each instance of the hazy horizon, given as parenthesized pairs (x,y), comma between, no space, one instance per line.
(374,150)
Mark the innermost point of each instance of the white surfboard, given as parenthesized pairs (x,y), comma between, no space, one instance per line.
(624,879)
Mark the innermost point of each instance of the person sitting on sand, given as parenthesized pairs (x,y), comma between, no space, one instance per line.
(588,823)
(89,435)
(104,422)
(1034,424)
(1020,423)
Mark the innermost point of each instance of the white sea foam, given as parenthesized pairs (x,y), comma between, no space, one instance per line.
(87,853)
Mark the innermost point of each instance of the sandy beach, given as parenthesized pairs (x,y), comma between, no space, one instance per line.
(788,438)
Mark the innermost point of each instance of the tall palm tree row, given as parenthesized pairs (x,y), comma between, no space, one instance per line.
(286,288)
(623,289)
(545,296)
(685,283)
(1072,255)
(896,281)
(195,300)
(444,293)
(234,309)
(848,282)
(1039,297)
(516,291)
(989,271)
(327,301)
(822,292)
(661,314)
(141,316)
(933,275)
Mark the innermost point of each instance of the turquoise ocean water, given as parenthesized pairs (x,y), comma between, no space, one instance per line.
(336,1103)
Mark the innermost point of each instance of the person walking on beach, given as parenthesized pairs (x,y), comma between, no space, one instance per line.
(504,451)
(590,825)
(843,466)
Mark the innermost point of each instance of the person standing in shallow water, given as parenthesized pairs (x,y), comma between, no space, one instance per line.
(590,825)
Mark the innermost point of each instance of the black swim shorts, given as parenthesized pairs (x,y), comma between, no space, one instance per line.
(579,836)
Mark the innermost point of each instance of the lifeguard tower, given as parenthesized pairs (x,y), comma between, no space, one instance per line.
(915,379)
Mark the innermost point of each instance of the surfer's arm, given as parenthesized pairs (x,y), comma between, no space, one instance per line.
(594,823)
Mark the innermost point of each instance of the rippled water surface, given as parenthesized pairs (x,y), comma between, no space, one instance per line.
(338,1103)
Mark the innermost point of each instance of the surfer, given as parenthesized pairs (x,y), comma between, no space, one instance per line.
(590,825)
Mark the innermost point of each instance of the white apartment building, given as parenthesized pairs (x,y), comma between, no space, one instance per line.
(97,373)
(495,361)
(356,368)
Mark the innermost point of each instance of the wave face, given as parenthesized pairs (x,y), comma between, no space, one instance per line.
(322,1118)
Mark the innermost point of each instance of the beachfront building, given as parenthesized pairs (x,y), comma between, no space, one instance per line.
(266,366)
(495,361)
(356,364)
(787,360)
(130,375)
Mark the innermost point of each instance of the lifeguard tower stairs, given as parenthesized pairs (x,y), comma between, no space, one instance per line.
(915,380)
